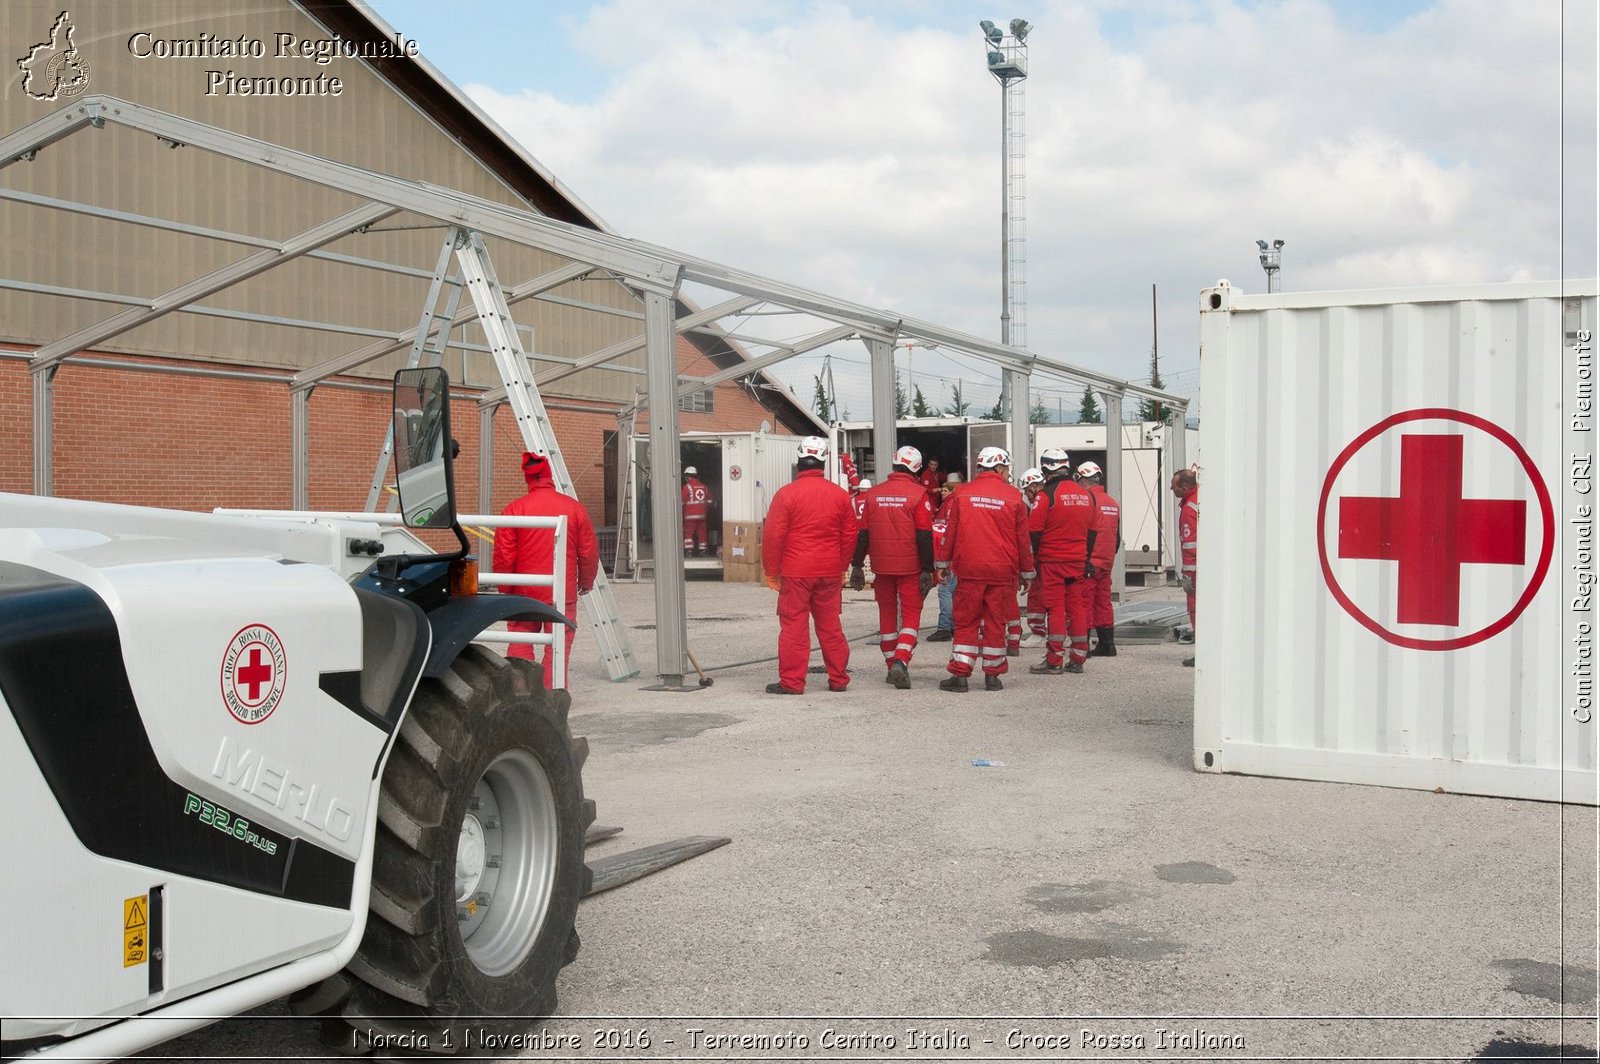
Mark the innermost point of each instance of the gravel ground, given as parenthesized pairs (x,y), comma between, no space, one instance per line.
(1093,897)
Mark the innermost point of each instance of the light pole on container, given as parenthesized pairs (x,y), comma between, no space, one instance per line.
(1007,58)
(1270,256)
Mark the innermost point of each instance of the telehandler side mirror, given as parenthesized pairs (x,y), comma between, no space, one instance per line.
(423,448)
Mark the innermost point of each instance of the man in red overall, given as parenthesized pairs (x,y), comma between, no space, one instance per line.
(695,500)
(532,551)
(897,530)
(1063,532)
(1186,486)
(986,544)
(1107,541)
(809,535)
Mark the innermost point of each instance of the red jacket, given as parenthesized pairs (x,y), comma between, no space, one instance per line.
(1189,531)
(1063,519)
(896,511)
(986,532)
(933,479)
(1108,528)
(810,528)
(695,498)
(531,551)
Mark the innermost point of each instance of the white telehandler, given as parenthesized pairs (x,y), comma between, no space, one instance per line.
(243,760)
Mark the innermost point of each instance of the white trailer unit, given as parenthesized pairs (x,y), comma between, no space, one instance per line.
(1148,541)
(742,471)
(1396,551)
(955,441)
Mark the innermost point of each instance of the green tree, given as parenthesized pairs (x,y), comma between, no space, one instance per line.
(1088,409)
(821,405)
(1038,415)
(995,413)
(1151,409)
(919,403)
(957,406)
(902,406)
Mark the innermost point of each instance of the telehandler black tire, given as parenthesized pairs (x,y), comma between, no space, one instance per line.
(478,867)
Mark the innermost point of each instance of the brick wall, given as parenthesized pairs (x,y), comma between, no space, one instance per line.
(193,442)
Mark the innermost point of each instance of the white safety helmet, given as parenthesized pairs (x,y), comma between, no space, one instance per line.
(863,484)
(991,457)
(814,447)
(1089,469)
(1032,476)
(909,457)
(690,471)
(1054,460)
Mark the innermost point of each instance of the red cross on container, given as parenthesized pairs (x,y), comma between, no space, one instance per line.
(1430,530)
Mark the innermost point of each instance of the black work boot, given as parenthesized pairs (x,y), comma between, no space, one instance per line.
(1072,666)
(1107,647)
(900,676)
(992,683)
(1044,668)
(958,684)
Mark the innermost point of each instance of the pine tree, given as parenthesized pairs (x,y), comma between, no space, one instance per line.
(995,413)
(901,406)
(958,406)
(1038,415)
(1088,409)
(919,403)
(1151,409)
(820,404)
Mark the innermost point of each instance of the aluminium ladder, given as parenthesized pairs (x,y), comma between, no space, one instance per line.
(538,435)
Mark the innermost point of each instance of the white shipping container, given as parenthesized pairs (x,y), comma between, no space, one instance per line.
(1391,535)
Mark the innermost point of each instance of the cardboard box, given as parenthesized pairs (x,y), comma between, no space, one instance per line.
(741,552)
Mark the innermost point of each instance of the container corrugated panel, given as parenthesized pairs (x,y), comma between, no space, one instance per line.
(1387,539)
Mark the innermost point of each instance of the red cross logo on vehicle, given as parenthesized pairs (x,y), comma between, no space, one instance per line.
(254,669)
(1435,529)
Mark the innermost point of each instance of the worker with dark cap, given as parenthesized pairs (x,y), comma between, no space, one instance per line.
(695,500)
(807,541)
(532,552)
(897,531)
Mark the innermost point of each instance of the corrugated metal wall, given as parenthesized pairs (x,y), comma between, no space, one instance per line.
(1292,681)
(369,124)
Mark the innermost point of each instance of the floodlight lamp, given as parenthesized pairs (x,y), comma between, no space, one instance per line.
(1262,244)
(1277,245)
(990,30)
(1020,28)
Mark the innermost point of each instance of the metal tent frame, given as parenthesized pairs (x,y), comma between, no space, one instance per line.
(656,273)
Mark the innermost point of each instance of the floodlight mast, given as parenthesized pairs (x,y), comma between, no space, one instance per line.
(1007,57)
(1271,257)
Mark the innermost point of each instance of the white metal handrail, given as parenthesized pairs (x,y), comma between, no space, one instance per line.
(488,581)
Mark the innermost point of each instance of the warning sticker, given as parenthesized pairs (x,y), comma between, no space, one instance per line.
(135,931)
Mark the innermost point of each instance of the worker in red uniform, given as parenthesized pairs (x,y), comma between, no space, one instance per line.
(532,551)
(807,541)
(858,499)
(897,531)
(696,500)
(985,544)
(1063,531)
(1186,486)
(1107,541)
(1032,481)
(932,476)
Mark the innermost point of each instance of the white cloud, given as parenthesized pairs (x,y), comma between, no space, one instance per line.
(825,145)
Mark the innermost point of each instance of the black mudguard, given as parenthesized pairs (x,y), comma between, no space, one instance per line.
(458,622)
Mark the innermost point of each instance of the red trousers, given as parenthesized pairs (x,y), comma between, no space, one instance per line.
(980,613)
(1066,605)
(899,614)
(1036,608)
(525,650)
(1101,615)
(1191,599)
(802,601)
(694,533)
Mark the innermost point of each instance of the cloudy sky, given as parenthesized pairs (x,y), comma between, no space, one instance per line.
(854,147)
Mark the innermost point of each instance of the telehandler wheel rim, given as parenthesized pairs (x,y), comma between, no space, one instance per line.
(506,855)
